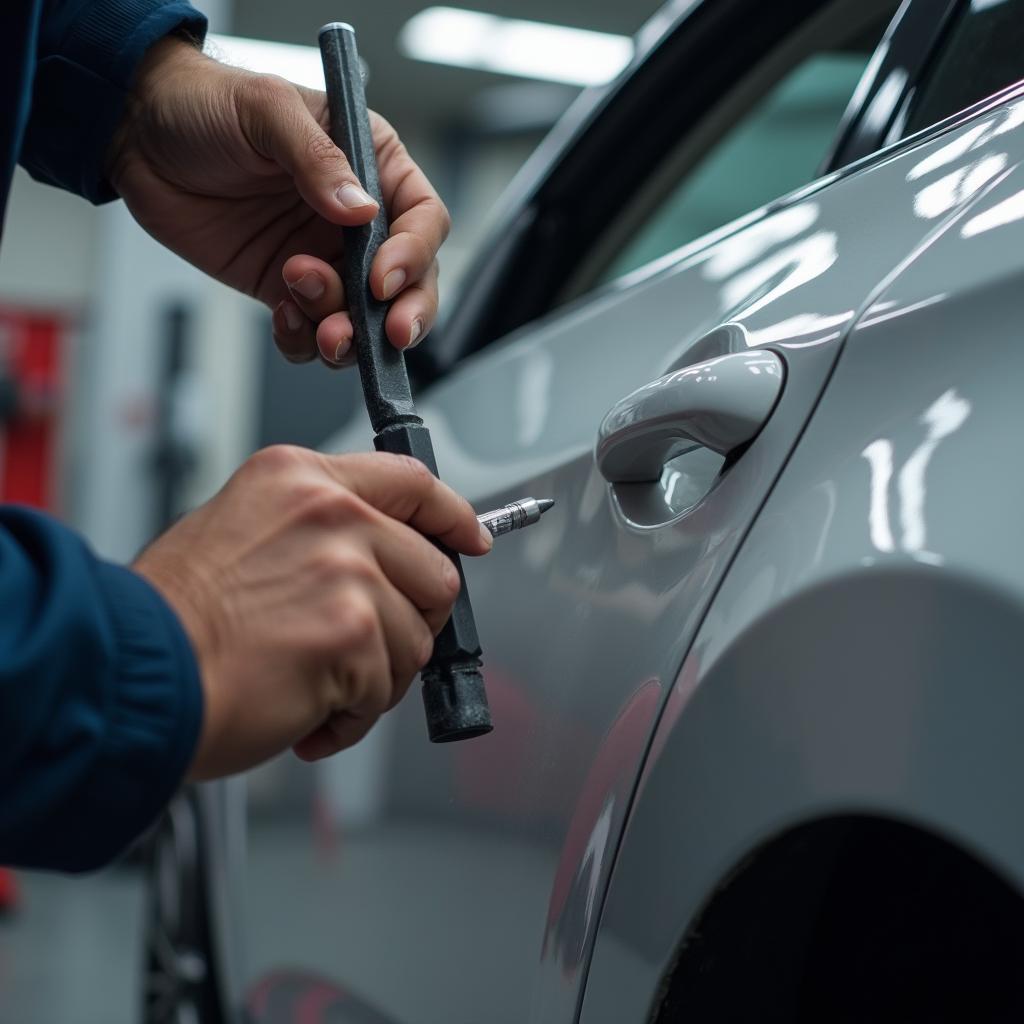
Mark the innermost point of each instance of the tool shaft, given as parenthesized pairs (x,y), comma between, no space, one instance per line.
(453,689)
(381,366)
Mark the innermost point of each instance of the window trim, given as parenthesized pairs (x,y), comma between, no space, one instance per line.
(889,84)
(895,133)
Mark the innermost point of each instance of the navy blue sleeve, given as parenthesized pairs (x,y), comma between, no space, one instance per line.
(87,55)
(100,699)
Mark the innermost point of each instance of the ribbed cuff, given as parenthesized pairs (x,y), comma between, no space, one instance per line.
(152,723)
(80,92)
(110,37)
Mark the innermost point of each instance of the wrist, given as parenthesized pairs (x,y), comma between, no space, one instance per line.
(185,597)
(162,63)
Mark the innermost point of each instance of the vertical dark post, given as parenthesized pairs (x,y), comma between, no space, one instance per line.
(453,687)
(174,455)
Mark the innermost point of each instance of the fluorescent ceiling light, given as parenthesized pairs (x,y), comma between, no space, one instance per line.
(299,64)
(530,49)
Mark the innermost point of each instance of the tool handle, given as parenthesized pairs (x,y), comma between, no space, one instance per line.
(453,688)
(381,366)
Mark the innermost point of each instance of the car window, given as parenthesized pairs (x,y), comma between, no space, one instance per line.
(774,149)
(983,52)
(711,124)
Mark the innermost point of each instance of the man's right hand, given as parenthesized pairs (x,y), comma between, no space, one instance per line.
(311,597)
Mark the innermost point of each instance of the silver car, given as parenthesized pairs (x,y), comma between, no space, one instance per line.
(753,317)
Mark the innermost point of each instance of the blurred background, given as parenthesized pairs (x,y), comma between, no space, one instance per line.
(131,387)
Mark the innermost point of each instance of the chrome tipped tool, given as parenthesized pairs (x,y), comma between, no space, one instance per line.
(515,515)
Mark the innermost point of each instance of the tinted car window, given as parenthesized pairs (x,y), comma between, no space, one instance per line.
(776,147)
(983,53)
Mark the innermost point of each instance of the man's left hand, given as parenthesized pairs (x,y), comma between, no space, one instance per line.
(235,172)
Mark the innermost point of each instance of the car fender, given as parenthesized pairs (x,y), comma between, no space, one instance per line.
(863,655)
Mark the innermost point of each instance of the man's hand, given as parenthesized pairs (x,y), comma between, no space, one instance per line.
(311,597)
(236,173)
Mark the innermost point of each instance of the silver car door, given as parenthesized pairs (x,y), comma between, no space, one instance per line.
(847,720)
(469,888)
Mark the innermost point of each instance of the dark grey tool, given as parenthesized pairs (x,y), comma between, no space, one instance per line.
(453,687)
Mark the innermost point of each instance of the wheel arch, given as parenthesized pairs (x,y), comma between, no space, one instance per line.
(888,694)
(851,918)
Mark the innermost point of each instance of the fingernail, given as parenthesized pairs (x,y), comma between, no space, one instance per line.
(352,197)
(342,350)
(486,537)
(309,286)
(393,280)
(292,316)
(414,333)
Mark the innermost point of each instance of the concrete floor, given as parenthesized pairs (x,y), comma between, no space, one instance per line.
(396,929)
(362,913)
(71,953)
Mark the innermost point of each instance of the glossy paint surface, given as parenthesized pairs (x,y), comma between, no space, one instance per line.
(719,404)
(501,847)
(863,655)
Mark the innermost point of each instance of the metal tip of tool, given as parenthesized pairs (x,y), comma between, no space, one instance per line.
(336,26)
(544,504)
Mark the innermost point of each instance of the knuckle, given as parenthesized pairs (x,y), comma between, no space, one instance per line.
(269,90)
(260,99)
(450,579)
(382,127)
(278,458)
(421,252)
(322,504)
(321,149)
(436,618)
(444,220)
(415,472)
(351,508)
(388,145)
(356,566)
(336,565)
(425,646)
(354,617)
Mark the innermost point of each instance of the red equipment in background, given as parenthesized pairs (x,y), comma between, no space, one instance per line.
(31,351)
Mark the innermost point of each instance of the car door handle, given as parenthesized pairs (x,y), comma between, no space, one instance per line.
(719,404)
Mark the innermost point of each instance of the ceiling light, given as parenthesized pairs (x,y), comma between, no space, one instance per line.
(510,46)
(299,64)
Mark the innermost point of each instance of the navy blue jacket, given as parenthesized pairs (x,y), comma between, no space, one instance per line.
(100,700)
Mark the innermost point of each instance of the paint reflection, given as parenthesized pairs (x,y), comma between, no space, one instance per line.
(585,857)
(1002,213)
(1005,120)
(741,250)
(958,186)
(810,328)
(943,417)
(786,270)
(891,310)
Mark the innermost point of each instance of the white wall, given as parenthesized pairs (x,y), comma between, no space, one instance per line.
(48,255)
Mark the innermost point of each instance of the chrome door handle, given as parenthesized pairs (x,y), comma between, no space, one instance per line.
(718,404)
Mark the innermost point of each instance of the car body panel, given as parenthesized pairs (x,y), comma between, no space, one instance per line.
(507,841)
(863,655)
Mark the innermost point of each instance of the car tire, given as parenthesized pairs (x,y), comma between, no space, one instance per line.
(179,979)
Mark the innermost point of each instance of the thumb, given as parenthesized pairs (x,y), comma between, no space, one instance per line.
(282,129)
